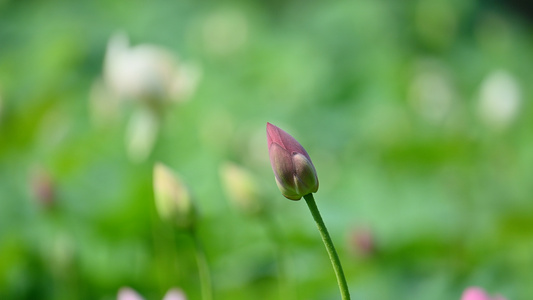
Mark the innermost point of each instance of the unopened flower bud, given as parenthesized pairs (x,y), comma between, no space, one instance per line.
(43,188)
(361,242)
(295,173)
(172,198)
(241,188)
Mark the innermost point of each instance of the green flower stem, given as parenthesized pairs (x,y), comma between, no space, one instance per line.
(341,280)
(203,268)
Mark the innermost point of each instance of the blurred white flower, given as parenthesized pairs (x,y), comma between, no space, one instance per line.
(141,134)
(126,293)
(149,75)
(499,99)
(146,72)
(431,93)
(174,294)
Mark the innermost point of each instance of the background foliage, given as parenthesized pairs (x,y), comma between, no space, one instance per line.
(416,114)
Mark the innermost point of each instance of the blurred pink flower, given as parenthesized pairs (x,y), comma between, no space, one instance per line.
(42,186)
(477,293)
(127,293)
(361,242)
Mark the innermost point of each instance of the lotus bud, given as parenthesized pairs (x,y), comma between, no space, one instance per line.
(172,198)
(294,172)
(241,188)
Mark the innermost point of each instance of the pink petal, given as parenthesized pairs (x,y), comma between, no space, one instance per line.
(127,293)
(285,140)
(475,293)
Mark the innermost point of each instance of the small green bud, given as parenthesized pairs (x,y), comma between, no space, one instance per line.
(241,188)
(172,198)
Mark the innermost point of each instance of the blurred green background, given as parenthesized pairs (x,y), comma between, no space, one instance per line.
(416,115)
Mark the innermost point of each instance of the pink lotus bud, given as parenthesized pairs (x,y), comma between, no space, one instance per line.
(292,166)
